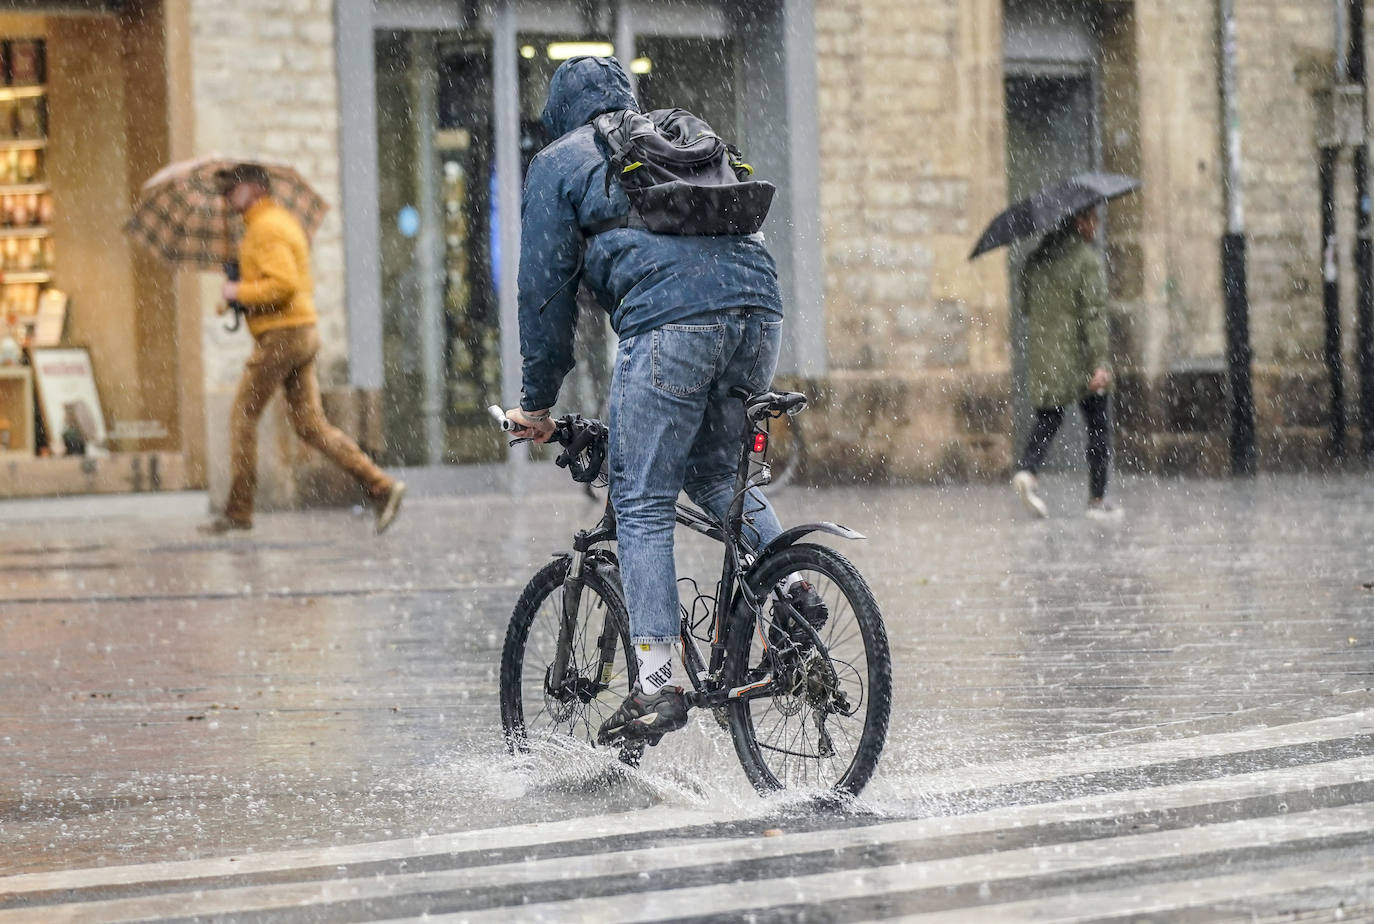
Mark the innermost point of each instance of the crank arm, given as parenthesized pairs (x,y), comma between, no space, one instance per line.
(717,698)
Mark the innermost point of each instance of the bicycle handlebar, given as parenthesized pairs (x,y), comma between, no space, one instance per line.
(585,439)
(504,422)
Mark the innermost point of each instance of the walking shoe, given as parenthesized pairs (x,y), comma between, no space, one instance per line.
(645,718)
(390,505)
(221,525)
(802,597)
(1025,483)
(1104,511)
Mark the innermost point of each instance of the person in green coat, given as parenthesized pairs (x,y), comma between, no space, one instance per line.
(1064,298)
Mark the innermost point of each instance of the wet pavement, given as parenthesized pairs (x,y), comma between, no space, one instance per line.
(170,697)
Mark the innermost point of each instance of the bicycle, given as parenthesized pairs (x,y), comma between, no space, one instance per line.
(805,705)
(787,452)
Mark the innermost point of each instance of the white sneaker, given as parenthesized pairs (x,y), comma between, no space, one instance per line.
(1105,511)
(1024,482)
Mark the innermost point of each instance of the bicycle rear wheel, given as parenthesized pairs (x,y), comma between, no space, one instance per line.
(825,723)
(529,710)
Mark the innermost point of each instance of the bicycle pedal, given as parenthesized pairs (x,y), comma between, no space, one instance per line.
(631,753)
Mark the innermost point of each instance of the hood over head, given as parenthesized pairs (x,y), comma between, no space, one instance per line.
(582,89)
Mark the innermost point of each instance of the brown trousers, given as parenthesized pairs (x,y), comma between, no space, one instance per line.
(286,357)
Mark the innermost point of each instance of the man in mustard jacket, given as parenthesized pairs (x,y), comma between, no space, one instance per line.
(276,294)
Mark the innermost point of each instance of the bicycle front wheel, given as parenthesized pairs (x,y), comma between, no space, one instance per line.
(823,719)
(530,710)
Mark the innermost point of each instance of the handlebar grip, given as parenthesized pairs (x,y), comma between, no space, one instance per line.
(498,415)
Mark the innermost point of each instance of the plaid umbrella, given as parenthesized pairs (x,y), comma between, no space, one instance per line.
(184,219)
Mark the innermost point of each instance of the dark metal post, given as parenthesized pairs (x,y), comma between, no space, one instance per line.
(1364,316)
(1233,282)
(1364,254)
(1331,300)
(1238,353)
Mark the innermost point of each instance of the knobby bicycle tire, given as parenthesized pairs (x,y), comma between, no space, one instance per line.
(769,762)
(531,642)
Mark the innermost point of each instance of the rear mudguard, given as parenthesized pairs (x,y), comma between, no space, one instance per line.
(787,538)
(790,536)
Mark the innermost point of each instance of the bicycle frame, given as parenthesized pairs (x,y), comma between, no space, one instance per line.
(763,642)
(733,591)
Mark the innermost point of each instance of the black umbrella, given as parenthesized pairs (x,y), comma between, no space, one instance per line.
(1050,206)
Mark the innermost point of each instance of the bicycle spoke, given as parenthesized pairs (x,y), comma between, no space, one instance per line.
(821,719)
(578,712)
(813,730)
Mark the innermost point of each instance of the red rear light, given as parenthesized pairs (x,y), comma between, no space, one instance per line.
(760,441)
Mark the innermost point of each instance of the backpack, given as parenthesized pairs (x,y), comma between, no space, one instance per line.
(679,175)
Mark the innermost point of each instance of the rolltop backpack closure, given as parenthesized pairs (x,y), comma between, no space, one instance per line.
(680,176)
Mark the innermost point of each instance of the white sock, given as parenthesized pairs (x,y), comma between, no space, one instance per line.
(655,665)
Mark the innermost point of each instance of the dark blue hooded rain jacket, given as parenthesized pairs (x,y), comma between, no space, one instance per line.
(644,280)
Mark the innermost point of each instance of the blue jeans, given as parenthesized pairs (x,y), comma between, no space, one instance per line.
(674,427)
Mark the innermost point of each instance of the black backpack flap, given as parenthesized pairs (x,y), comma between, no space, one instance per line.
(678,207)
(680,176)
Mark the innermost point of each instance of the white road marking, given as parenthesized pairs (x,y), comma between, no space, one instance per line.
(989,866)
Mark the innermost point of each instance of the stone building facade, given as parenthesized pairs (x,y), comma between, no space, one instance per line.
(128,87)
(262,79)
(907,122)
(913,97)
(912,102)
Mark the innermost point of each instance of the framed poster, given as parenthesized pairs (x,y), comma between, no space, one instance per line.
(68,401)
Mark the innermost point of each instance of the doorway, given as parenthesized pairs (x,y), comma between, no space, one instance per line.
(440,330)
(433,169)
(1051,135)
(441,223)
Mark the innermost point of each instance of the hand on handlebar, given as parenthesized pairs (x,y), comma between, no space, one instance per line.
(528,427)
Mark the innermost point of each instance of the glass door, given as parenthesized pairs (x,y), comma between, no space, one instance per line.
(440,325)
(451,109)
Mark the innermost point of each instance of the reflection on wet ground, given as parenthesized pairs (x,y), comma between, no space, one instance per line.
(168,696)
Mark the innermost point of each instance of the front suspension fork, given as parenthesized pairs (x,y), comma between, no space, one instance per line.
(572,601)
(558,682)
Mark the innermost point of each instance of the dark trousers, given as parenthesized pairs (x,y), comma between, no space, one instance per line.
(1097,414)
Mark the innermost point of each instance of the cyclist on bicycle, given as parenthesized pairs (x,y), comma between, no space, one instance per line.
(696,316)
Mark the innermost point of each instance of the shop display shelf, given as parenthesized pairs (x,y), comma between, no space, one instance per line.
(8,94)
(23,189)
(24,231)
(27,276)
(23,144)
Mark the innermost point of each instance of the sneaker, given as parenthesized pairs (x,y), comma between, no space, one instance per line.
(645,718)
(390,505)
(1104,511)
(221,525)
(803,598)
(1025,483)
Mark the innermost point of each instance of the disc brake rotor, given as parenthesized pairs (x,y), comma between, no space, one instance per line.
(565,704)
